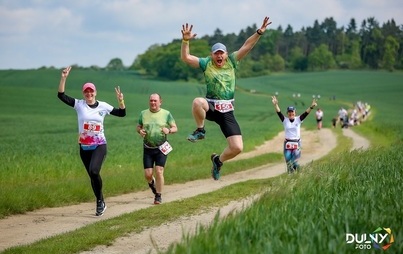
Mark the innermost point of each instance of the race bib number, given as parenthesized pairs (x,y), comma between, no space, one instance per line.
(223,106)
(291,145)
(165,148)
(92,127)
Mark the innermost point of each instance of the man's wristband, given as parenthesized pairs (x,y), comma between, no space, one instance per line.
(121,101)
(185,41)
(311,107)
(259,32)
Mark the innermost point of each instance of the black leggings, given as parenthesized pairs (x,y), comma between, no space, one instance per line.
(92,160)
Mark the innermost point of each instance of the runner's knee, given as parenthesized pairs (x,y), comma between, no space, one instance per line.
(197,102)
(148,173)
(200,103)
(236,149)
(159,170)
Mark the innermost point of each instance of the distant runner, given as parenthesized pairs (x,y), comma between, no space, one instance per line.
(292,129)
(319,118)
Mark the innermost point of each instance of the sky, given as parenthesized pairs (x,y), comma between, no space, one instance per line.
(37,33)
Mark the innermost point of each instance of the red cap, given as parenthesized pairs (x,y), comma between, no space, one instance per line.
(90,86)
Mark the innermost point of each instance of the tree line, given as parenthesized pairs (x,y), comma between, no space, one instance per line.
(322,46)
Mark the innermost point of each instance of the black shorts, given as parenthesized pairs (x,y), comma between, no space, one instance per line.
(227,122)
(153,156)
(319,120)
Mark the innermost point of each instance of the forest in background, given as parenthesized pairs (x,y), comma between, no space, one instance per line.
(323,46)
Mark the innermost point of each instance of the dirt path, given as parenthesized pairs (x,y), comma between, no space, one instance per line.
(33,226)
(359,142)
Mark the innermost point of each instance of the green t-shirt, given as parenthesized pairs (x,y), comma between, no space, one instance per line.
(152,123)
(220,82)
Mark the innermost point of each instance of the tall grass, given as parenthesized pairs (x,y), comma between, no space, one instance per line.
(313,211)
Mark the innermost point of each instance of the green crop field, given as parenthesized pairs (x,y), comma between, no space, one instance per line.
(40,165)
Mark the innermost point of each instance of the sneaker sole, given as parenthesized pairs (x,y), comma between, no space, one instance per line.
(101,213)
(194,140)
(215,178)
(191,140)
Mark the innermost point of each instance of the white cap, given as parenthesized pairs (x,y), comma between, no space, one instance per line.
(218,47)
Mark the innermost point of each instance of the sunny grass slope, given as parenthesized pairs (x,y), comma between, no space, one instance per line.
(40,165)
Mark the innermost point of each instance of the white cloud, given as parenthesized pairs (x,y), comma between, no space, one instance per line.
(36,33)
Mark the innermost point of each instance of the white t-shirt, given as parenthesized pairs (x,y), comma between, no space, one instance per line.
(292,129)
(91,122)
(342,113)
(319,114)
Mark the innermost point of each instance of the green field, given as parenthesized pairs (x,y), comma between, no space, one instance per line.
(40,165)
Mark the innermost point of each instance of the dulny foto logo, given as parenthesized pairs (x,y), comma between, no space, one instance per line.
(381,238)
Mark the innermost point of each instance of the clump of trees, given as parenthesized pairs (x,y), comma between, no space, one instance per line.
(323,46)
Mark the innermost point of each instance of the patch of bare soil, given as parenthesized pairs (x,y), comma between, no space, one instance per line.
(43,223)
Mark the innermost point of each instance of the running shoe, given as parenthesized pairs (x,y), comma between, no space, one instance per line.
(290,169)
(152,186)
(157,199)
(101,207)
(215,170)
(197,135)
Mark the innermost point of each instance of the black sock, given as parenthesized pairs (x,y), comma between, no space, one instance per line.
(217,160)
(201,129)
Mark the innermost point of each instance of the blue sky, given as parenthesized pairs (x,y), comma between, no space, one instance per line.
(35,33)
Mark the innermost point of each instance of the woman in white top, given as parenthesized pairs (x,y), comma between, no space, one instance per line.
(319,118)
(91,137)
(292,129)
